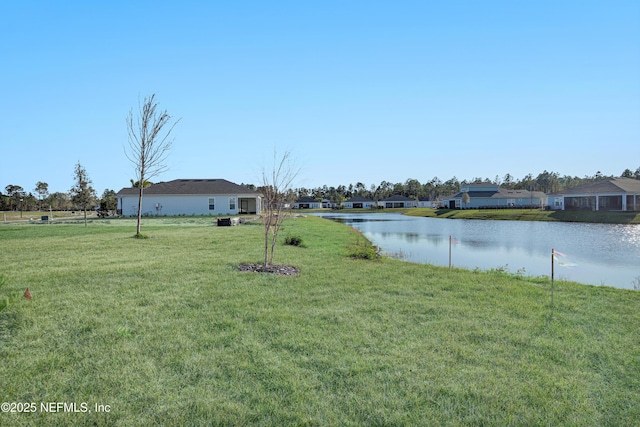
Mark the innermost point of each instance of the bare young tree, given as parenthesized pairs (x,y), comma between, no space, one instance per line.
(277,197)
(149,144)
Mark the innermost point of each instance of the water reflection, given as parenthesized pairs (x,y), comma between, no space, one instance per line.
(345,220)
(602,254)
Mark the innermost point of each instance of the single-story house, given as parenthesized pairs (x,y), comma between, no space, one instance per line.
(425,202)
(612,194)
(307,203)
(190,197)
(488,195)
(398,201)
(358,202)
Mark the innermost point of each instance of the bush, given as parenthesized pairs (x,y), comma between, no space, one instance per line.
(293,241)
(363,249)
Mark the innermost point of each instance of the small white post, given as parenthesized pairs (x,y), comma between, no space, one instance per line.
(553,256)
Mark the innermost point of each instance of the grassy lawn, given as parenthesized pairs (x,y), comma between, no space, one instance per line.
(167,332)
(529,215)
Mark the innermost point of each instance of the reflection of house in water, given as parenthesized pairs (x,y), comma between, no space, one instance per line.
(488,195)
(613,194)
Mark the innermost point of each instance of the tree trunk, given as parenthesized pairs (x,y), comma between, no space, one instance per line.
(139,210)
(273,244)
(267,229)
(275,229)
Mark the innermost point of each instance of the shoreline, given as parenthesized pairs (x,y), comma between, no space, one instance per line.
(628,280)
(596,217)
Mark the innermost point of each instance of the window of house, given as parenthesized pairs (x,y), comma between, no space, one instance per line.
(232,203)
(212,204)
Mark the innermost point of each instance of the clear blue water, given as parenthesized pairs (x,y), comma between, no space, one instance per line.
(597,254)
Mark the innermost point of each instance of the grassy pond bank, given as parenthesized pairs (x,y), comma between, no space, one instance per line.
(604,217)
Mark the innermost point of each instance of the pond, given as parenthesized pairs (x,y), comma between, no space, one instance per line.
(597,254)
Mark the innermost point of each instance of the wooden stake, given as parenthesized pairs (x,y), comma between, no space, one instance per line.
(552,274)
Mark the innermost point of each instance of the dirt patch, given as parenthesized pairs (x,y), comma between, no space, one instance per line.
(282,270)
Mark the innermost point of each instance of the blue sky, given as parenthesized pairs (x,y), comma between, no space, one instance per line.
(355,90)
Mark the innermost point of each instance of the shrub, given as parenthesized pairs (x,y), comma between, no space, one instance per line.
(364,249)
(500,270)
(293,241)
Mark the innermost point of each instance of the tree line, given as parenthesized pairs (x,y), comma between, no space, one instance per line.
(547,182)
(16,198)
(80,197)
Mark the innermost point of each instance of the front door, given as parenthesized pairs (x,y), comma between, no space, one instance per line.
(244,206)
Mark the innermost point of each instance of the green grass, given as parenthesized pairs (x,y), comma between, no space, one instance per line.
(529,215)
(167,332)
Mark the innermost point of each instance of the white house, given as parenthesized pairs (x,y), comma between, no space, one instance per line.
(612,194)
(307,203)
(326,203)
(359,202)
(425,202)
(190,197)
(398,201)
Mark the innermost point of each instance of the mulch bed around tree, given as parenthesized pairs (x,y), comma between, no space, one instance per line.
(282,270)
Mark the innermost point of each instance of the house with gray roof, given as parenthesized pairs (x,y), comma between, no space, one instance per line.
(307,203)
(426,202)
(358,202)
(327,204)
(190,197)
(612,194)
(398,201)
(490,196)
